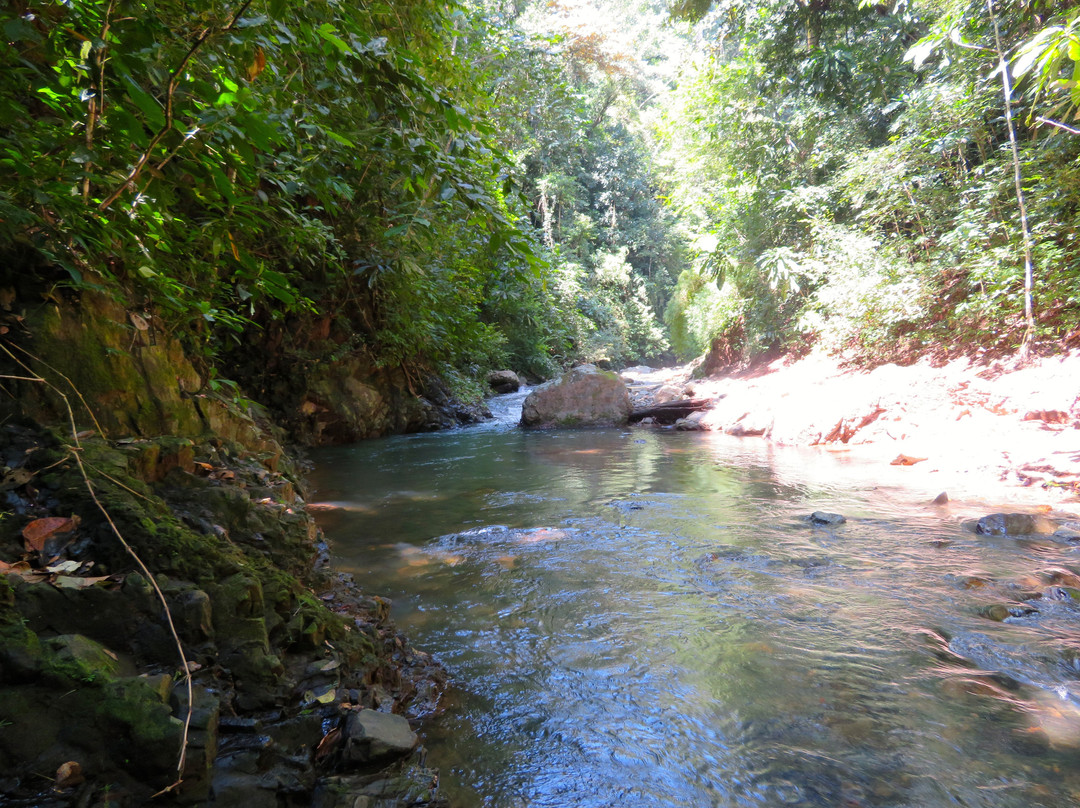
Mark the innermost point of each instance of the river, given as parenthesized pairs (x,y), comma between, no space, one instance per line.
(637,617)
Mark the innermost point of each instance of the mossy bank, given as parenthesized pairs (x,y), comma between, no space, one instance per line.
(139,502)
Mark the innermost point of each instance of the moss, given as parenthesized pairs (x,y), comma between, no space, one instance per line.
(79,659)
(20,652)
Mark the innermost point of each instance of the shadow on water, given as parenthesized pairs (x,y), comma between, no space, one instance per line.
(639,618)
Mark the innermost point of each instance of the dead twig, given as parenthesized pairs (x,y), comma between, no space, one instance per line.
(37,378)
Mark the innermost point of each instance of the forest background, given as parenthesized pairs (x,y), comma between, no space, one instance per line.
(451,188)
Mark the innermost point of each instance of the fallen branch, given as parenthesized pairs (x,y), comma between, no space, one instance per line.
(671,411)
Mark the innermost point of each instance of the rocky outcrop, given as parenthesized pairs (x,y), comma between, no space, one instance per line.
(582,397)
(352,400)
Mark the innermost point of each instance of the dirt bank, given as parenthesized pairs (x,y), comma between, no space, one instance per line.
(977,431)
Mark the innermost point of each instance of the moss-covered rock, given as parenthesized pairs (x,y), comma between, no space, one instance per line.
(230,549)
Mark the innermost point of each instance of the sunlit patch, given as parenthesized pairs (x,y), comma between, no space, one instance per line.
(351,507)
(542,534)
(1049,712)
(759,647)
(423,557)
(974,684)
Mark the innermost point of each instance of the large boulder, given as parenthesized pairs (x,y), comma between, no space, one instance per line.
(503,381)
(584,396)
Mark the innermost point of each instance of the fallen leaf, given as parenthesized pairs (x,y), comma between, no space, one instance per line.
(69,774)
(906,460)
(78,581)
(20,568)
(86,433)
(64,567)
(328,743)
(40,531)
(16,478)
(139,321)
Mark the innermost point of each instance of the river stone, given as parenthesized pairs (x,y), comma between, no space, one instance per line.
(411,786)
(584,396)
(503,381)
(370,734)
(694,422)
(1070,532)
(1013,524)
(826,518)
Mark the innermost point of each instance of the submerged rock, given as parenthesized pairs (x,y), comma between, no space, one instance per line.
(1070,532)
(584,396)
(412,786)
(1003,611)
(826,518)
(1013,524)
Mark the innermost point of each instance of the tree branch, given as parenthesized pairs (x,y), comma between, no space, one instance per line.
(170,91)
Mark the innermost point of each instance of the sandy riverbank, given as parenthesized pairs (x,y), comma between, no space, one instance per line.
(976,431)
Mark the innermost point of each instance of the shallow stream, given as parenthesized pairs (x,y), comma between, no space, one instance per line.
(637,617)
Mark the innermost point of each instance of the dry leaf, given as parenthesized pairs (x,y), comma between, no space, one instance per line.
(78,581)
(906,460)
(138,321)
(16,478)
(328,744)
(69,774)
(41,530)
(257,67)
(64,567)
(23,570)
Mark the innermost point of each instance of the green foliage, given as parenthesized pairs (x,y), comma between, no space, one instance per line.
(254,162)
(570,103)
(699,312)
(849,199)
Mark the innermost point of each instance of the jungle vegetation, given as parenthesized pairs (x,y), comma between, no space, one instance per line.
(488,183)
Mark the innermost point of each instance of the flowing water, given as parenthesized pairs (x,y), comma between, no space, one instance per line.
(649,618)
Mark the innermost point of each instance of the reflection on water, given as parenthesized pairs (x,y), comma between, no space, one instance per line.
(638,618)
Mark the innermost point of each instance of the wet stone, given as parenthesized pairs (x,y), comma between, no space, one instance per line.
(412,786)
(370,734)
(1070,532)
(969,581)
(1002,611)
(1013,524)
(826,518)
